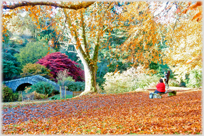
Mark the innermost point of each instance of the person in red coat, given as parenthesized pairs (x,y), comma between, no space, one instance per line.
(160,87)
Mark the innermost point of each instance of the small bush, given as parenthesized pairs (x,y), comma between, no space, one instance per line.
(129,80)
(39,96)
(15,96)
(36,69)
(28,97)
(69,78)
(195,79)
(8,95)
(33,96)
(20,98)
(64,78)
(75,86)
(42,88)
(173,83)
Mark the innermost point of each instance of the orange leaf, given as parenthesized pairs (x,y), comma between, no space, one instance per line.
(197,15)
(199,3)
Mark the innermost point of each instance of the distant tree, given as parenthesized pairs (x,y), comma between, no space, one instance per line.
(33,51)
(36,69)
(59,62)
(71,53)
(11,68)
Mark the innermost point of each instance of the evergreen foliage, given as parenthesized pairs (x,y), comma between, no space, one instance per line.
(11,68)
(32,52)
(42,87)
(75,86)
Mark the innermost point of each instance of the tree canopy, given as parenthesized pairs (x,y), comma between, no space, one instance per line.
(90,26)
(33,51)
(184,39)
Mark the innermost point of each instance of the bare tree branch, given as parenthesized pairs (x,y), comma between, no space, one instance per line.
(165,10)
(26,3)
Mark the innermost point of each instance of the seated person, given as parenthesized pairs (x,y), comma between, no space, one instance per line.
(160,87)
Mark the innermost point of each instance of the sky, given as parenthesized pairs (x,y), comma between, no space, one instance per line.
(164,17)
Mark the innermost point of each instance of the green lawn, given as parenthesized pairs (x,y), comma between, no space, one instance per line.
(57,97)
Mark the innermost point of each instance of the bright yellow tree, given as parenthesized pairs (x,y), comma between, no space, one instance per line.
(144,37)
(184,39)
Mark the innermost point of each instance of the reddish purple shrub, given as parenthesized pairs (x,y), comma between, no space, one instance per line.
(58,62)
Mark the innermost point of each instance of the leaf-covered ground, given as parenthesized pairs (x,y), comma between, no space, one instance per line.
(129,113)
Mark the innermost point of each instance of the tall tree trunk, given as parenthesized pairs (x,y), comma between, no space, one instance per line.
(90,80)
(90,64)
(90,75)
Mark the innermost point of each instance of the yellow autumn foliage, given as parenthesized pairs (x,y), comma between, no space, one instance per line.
(35,69)
(185,46)
(144,34)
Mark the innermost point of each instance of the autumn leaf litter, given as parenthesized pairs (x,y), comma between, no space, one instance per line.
(129,113)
